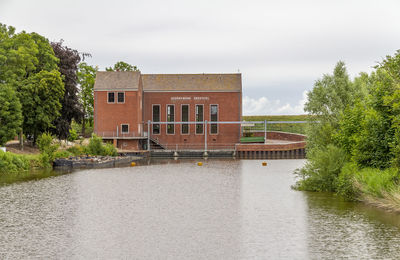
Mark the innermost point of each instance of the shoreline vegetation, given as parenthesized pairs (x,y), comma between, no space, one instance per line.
(354,148)
(19,167)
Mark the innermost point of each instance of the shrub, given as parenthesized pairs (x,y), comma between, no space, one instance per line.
(96,147)
(345,183)
(76,150)
(62,154)
(321,170)
(73,135)
(13,163)
(47,149)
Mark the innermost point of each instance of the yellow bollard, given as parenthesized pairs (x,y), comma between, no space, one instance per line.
(199,164)
(133,164)
(264,163)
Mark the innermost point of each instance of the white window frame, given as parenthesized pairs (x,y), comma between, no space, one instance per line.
(195,119)
(123,92)
(214,121)
(152,116)
(188,133)
(122,132)
(166,118)
(108,92)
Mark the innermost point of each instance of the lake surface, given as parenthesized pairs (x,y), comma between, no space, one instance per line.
(225,209)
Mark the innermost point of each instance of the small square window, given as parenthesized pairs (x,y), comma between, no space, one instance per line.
(125,129)
(121,97)
(111,97)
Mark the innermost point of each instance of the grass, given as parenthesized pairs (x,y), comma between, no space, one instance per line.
(284,127)
(253,139)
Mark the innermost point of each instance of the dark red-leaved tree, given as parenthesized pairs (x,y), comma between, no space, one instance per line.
(71,107)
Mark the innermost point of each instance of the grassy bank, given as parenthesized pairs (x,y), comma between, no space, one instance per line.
(284,127)
(18,167)
(330,171)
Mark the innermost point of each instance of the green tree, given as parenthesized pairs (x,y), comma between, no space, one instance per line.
(122,66)
(327,102)
(86,79)
(40,97)
(10,114)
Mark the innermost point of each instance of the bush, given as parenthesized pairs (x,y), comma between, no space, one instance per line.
(345,183)
(76,150)
(47,149)
(62,154)
(13,163)
(321,170)
(73,135)
(96,147)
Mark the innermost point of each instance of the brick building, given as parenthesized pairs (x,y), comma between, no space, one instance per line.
(176,105)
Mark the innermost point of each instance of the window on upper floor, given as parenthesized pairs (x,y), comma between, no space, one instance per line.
(121,97)
(111,97)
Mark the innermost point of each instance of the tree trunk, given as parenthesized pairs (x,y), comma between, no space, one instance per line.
(83,127)
(21,140)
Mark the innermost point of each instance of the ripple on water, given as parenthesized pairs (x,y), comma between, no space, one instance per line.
(225,209)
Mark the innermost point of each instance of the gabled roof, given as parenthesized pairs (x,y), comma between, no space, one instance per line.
(117,80)
(192,82)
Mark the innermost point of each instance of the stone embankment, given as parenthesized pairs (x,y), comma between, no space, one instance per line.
(94,162)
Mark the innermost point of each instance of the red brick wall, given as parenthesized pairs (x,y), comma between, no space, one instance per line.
(108,116)
(229,109)
(281,136)
(270,147)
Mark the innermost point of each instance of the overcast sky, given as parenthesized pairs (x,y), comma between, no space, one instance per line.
(280,47)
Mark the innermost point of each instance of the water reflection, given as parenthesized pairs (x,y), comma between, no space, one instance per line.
(174,209)
(350,230)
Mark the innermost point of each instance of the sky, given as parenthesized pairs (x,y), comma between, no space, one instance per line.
(280,47)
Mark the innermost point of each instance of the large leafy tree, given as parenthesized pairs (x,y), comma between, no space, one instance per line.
(40,96)
(22,56)
(71,107)
(10,113)
(122,66)
(86,79)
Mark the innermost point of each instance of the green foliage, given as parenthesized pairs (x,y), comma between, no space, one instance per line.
(73,135)
(345,183)
(122,66)
(96,147)
(377,183)
(284,127)
(47,149)
(40,97)
(10,114)
(62,154)
(322,169)
(15,163)
(76,150)
(86,79)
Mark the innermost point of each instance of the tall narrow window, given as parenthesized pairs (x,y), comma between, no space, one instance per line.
(214,118)
(170,118)
(199,118)
(121,97)
(111,97)
(156,118)
(185,118)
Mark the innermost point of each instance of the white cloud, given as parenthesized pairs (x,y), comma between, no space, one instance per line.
(263,106)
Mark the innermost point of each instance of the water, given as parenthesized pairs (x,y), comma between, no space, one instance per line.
(225,209)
